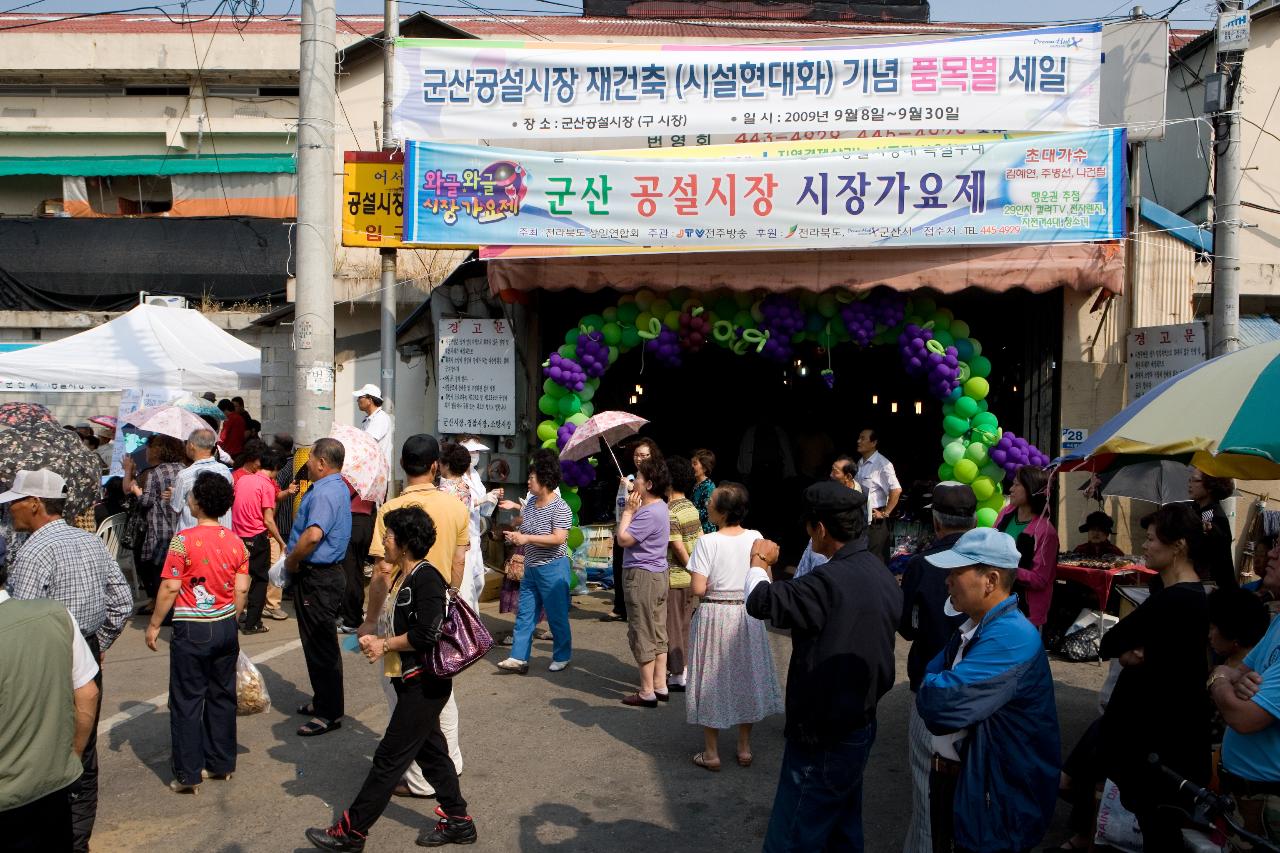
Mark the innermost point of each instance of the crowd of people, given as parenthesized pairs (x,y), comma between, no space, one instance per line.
(698,590)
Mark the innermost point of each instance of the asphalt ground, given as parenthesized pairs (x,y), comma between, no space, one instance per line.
(552,761)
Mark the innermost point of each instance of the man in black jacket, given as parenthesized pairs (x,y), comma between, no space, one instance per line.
(929,623)
(842,618)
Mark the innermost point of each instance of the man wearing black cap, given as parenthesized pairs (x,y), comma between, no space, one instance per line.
(928,626)
(842,617)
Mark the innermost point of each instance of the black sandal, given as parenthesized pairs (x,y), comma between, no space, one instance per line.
(307,710)
(612,617)
(318,726)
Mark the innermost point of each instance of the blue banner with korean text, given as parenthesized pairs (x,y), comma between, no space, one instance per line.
(1065,187)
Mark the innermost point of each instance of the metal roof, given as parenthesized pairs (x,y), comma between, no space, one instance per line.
(1259,329)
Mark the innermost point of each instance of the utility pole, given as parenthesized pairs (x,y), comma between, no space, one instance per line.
(1228,175)
(314,243)
(387,284)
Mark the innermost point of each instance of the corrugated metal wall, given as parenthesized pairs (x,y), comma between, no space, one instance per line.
(1164,278)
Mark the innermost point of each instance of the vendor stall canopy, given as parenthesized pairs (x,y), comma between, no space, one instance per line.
(151,346)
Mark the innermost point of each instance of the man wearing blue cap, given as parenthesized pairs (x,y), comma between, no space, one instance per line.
(988,700)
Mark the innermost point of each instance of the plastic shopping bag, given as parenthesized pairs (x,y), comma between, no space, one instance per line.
(278,575)
(1117,827)
(251,688)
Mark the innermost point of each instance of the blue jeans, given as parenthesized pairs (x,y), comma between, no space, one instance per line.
(544,587)
(818,806)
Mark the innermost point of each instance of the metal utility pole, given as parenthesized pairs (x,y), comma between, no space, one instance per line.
(1228,175)
(314,244)
(387,284)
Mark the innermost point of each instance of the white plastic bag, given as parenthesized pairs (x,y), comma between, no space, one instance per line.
(278,575)
(251,688)
(1117,826)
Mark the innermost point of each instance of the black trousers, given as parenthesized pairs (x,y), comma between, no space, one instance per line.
(413,734)
(202,698)
(317,595)
(353,568)
(84,791)
(42,826)
(878,539)
(619,601)
(259,548)
(942,796)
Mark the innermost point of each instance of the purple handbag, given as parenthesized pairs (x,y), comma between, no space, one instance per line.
(463,638)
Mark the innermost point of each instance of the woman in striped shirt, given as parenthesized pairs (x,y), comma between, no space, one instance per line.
(544,527)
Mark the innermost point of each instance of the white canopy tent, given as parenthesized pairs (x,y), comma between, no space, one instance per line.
(151,346)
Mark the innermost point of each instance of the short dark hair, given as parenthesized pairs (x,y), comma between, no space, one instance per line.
(331,451)
(239,400)
(418,453)
(54,506)
(654,450)
(252,451)
(842,526)
(654,469)
(1239,615)
(873,435)
(455,457)
(681,473)
(706,459)
(377,401)
(732,501)
(848,466)
(1219,488)
(1036,481)
(1177,521)
(413,529)
(213,493)
(226,405)
(545,466)
(273,459)
(168,448)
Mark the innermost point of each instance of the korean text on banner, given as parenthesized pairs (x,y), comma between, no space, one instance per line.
(372,198)
(1039,80)
(1157,353)
(1043,189)
(477,377)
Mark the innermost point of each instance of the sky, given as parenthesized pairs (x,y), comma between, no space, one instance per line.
(1187,13)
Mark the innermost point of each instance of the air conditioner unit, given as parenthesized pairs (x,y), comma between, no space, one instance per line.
(163,301)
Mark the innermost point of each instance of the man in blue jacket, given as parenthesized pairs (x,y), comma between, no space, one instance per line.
(988,700)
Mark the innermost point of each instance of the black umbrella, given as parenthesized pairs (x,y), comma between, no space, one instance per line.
(42,445)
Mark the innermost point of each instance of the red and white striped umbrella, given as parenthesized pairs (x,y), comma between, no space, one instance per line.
(600,431)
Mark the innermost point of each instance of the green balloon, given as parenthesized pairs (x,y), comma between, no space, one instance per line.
(940,320)
(983,488)
(947,439)
(743,320)
(546,429)
(571,337)
(575,538)
(569,405)
(986,435)
(577,420)
(953,452)
(549,444)
(587,392)
(977,388)
(966,471)
(960,329)
(983,405)
(945,472)
(976,452)
(548,405)
(672,320)
(613,354)
(992,471)
(943,337)
(572,498)
(630,337)
(569,350)
(610,314)
(592,321)
(985,517)
(923,305)
(660,308)
(725,308)
(966,407)
(612,334)
(588,409)
(955,426)
(827,305)
(627,313)
(985,419)
(553,388)
(980,366)
(995,503)
(977,345)
(948,408)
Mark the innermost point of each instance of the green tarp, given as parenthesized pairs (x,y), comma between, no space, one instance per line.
(174,164)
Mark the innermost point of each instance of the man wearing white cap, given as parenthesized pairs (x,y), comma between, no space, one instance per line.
(376,421)
(69,565)
(988,700)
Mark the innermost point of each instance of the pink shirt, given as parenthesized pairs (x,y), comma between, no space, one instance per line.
(254,493)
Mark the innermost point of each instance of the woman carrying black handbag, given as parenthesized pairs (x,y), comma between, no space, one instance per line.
(413,734)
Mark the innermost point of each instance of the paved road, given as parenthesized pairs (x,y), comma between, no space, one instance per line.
(552,761)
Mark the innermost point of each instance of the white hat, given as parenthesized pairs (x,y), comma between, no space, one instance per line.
(36,484)
(474,445)
(369,390)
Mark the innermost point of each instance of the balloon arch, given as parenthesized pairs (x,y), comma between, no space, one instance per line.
(934,346)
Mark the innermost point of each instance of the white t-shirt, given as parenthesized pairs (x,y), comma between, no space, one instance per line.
(948,746)
(723,561)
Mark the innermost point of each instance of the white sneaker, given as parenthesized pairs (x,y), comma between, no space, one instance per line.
(513,665)
(558,665)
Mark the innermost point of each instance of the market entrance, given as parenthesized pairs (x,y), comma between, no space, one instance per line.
(777,427)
